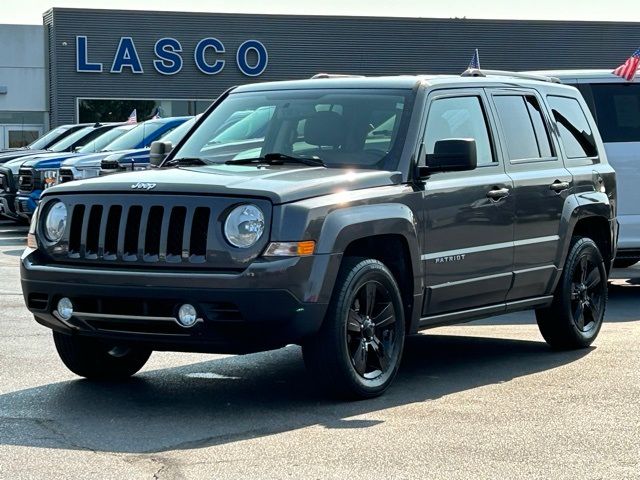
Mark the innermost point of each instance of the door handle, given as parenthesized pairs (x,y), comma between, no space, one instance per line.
(498,193)
(558,186)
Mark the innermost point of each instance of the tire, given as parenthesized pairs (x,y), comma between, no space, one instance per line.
(95,360)
(575,317)
(624,262)
(357,352)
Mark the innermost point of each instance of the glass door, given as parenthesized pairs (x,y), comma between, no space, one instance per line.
(16,136)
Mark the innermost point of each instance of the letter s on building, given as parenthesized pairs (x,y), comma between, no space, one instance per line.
(169,59)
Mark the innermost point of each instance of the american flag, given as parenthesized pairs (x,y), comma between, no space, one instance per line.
(133,117)
(629,68)
(157,115)
(475,61)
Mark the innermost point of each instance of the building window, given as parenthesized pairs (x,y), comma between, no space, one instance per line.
(118,110)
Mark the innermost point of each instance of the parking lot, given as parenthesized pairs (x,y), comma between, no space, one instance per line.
(483,400)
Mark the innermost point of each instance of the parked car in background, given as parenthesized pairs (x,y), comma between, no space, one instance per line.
(62,140)
(615,104)
(42,168)
(139,138)
(46,140)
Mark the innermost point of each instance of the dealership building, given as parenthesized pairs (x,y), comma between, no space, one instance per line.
(87,65)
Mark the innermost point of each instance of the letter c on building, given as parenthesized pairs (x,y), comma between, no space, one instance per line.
(199,53)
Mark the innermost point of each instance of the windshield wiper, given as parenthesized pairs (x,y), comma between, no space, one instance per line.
(278,159)
(184,162)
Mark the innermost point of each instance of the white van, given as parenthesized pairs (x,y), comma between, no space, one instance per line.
(615,104)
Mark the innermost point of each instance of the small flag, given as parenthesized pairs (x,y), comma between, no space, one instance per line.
(157,114)
(475,61)
(629,68)
(133,117)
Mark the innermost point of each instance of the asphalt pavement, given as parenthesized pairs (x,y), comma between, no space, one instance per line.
(482,400)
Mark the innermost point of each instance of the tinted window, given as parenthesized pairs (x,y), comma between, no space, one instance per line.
(542,134)
(137,137)
(70,140)
(104,139)
(575,132)
(617,108)
(514,112)
(460,117)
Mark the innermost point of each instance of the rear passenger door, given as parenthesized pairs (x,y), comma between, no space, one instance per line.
(469,228)
(541,185)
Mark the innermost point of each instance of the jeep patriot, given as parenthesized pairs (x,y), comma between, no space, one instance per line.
(365,210)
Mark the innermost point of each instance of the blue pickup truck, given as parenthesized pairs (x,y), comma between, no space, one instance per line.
(40,173)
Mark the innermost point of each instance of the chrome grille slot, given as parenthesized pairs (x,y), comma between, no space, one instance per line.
(93,231)
(152,230)
(176,233)
(199,232)
(111,233)
(75,230)
(132,230)
(152,235)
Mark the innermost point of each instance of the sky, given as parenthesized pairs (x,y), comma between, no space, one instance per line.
(30,11)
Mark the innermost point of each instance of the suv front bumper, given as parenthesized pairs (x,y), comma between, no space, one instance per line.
(268,305)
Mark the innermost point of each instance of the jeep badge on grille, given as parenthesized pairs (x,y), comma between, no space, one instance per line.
(143,186)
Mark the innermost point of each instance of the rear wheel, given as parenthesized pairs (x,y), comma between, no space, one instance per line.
(93,359)
(575,317)
(357,351)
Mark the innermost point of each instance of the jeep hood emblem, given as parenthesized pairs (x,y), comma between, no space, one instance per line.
(143,186)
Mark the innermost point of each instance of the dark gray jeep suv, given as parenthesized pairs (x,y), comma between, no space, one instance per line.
(363,210)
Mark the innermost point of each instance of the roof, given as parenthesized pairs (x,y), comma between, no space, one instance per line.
(578,73)
(394,82)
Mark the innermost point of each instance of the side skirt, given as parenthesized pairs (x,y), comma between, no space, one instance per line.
(463,316)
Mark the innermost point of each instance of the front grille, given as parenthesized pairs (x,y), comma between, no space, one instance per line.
(26,180)
(3,183)
(65,175)
(153,230)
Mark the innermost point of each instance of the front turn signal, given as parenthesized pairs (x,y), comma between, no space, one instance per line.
(290,249)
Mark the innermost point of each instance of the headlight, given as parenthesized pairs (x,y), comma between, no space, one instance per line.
(244,226)
(49,178)
(56,222)
(90,172)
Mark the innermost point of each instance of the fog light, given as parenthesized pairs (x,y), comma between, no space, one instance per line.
(65,308)
(187,315)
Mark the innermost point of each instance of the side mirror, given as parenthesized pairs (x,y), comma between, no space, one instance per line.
(158,152)
(450,155)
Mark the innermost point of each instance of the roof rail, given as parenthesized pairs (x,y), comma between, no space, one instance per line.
(476,72)
(336,75)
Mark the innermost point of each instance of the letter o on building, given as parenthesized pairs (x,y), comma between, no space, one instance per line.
(242,58)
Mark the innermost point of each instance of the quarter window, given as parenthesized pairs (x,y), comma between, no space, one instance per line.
(575,132)
(460,117)
(617,108)
(524,128)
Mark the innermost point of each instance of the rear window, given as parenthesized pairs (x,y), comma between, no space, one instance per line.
(575,132)
(617,111)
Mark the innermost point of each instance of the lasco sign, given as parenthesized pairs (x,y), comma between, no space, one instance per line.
(169,60)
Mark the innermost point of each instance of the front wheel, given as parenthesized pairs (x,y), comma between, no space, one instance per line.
(574,318)
(93,359)
(357,352)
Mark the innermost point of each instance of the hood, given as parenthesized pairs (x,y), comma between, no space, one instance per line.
(126,156)
(86,161)
(48,160)
(281,184)
(27,152)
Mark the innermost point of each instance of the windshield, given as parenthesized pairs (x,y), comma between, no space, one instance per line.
(42,142)
(135,137)
(105,139)
(69,140)
(175,135)
(342,127)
